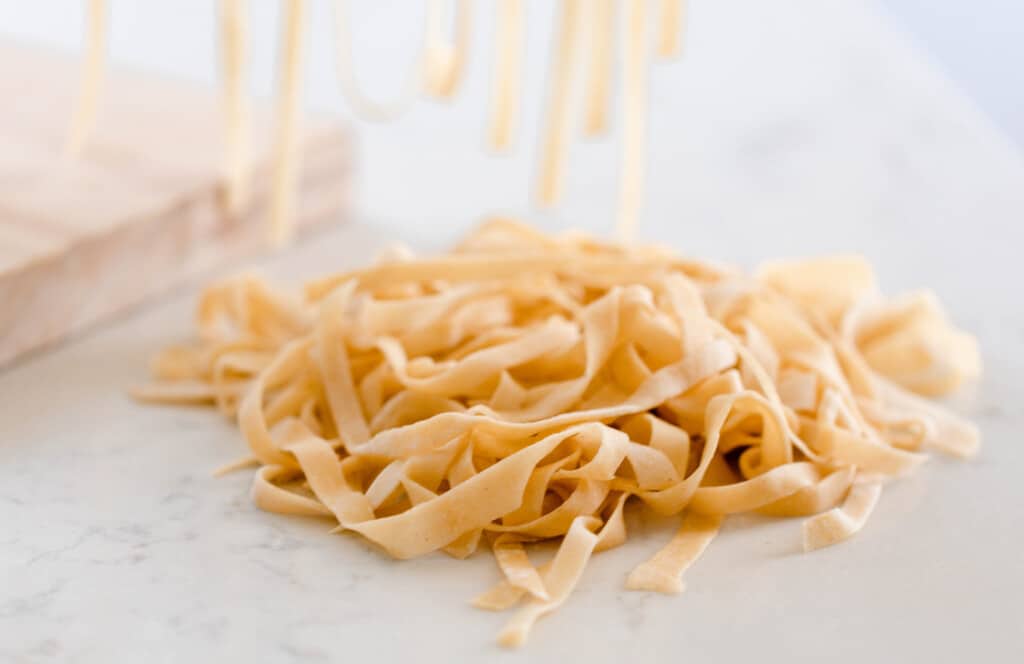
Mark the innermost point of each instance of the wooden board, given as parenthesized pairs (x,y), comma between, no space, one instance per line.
(141,210)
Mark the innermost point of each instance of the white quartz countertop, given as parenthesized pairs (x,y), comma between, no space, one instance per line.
(807,129)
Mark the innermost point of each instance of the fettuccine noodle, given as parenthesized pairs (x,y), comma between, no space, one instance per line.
(234,47)
(525,387)
(90,91)
(287,156)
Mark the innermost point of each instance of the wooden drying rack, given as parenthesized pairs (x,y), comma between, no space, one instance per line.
(144,206)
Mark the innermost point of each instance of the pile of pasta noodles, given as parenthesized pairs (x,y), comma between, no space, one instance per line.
(524,387)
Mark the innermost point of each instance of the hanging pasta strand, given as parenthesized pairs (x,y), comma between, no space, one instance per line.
(634,103)
(508,66)
(671,27)
(599,76)
(361,103)
(446,59)
(83,119)
(234,57)
(286,149)
(554,148)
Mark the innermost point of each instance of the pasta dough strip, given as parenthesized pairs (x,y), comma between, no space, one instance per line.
(634,117)
(840,523)
(361,103)
(600,67)
(507,80)
(91,84)
(446,61)
(512,559)
(234,57)
(663,572)
(563,575)
(671,27)
(287,157)
(554,146)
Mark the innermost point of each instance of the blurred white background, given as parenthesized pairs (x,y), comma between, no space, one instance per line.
(980,44)
(780,112)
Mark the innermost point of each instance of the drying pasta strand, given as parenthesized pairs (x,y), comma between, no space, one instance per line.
(840,523)
(634,117)
(234,57)
(663,573)
(348,81)
(554,145)
(600,68)
(91,84)
(671,27)
(287,156)
(507,79)
(446,59)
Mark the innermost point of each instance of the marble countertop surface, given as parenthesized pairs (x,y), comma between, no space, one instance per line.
(815,129)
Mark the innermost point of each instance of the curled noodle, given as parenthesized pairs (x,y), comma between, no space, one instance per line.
(524,388)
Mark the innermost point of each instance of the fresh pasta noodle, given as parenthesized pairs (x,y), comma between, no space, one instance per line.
(83,120)
(555,146)
(446,59)
(362,104)
(634,116)
(234,58)
(508,62)
(599,72)
(671,26)
(287,156)
(525,387)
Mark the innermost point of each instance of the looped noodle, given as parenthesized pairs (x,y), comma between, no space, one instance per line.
(525,387)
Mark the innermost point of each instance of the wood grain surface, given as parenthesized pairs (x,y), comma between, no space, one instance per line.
(144,206)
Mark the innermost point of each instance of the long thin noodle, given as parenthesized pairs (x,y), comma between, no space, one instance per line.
(599,67)
(663,572)
(287,155)
(555,146)
(439,72)
(671,27)
(507,80)
(446,59)
(361,103)
(234,57)
(91,84)
(634,117)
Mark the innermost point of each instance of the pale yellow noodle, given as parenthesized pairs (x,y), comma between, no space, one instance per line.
(234,57)
(555,141)
(287,153)
(91,83)
(525,387)
(634,116)
(445,61)
(506,82)
(361,103)
(671,27)
(599,67)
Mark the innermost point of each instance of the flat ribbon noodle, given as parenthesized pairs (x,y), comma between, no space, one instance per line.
(525,387)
